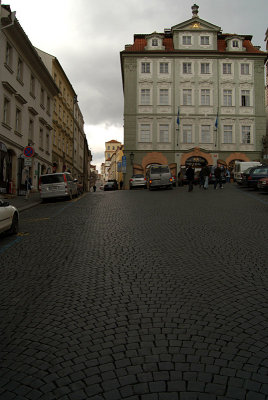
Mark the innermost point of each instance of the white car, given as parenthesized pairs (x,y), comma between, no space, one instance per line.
(9,218)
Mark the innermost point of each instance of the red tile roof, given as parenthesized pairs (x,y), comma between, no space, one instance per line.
(140,43)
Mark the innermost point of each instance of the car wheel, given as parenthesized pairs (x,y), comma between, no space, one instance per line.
(15,225)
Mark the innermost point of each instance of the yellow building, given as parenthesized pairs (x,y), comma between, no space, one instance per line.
(115,170)
(63,116)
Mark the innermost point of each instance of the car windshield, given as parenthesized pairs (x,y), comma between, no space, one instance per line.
(45,179)
(160,169)
(138,176)
(261,171)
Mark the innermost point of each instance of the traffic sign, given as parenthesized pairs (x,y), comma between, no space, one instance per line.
(27,162)
(28,151)
(124,161)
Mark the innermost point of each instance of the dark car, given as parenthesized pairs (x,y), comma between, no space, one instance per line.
(263,184)
(111,185)
(255,175)
(244,177)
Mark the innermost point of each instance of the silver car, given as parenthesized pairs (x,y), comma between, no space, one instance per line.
(56,185)
(137,180)
(159,176)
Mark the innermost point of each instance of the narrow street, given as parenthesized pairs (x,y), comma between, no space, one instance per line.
(137,295)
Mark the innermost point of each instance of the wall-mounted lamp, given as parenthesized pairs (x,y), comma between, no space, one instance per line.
(131,157)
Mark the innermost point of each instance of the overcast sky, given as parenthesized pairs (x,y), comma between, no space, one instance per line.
(87,36)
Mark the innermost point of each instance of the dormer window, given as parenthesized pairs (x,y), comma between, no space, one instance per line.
(186,40)
(204,40)
(154,42)
(235,43)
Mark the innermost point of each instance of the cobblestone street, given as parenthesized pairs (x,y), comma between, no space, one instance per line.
(137,295)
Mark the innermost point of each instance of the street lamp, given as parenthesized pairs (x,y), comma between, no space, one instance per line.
(131,157)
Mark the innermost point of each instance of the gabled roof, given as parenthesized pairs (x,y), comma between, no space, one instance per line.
(188,25)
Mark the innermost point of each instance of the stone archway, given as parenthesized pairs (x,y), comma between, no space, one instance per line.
(236,156)
(197,153)
(153,158)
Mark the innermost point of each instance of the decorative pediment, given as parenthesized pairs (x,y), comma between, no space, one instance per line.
(196,24)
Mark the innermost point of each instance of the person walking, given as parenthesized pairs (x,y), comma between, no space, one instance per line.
(206,173)
(180,177)
(201,178)
(190,177)
(121,184)
(28,184)
(218,178)
(227,175)
(94,188)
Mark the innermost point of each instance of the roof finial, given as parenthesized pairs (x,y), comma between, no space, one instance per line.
(195,10)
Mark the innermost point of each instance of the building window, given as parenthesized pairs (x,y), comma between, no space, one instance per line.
(145,96)
(187,97)
(205,134)
(227,134)
(244,69)
(48,105)
(187,68)
(235,43)
(226,68)
(42,97)
(8,55)
(41,139)
(204,40)
(145,133)
(246,135)
(31,131)
(163,133)
(227,97)
(20,70)
(187,134)
(47,141)
(245,98)
(145,67)
(6,111)
(205,68)
(163,97)
(186,40)
(18,120)
(154,42)
(163,68)
(32,86)
(205,97)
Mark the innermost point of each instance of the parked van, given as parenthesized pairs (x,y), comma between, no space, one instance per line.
(241,166)
(159,176)
(59,184)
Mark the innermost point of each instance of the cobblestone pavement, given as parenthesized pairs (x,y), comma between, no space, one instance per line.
(137,295)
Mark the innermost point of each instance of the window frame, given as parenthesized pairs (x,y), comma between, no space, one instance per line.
(202,39)
(187,97)
(187,68)
(227,134)
(147,132)
(145,98)
(145,67)
(242,69)
(205,134)
(225,70)
(245,98)
(165,138)
(186,39)
(162,67)
(206,68)
(187,134)
(205,97)
(246,134)
(226,97)
(163,96)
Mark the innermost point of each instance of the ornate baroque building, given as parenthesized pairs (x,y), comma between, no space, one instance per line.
(192,94)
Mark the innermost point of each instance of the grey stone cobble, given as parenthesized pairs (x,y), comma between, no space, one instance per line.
(130,299)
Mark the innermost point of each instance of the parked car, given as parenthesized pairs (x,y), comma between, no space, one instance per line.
(111,185)
(255,175)
(159,176)
(137,180)
(241,166)
(244,177)
(263,184)
(57,185)
(9,218)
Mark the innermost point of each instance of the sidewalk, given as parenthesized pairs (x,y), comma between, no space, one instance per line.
(20,202)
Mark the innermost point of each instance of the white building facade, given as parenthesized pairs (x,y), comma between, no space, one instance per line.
(26,102)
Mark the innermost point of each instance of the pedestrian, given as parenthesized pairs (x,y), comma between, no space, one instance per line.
(201,178)
(218,177)
(206,173)
(227,175)
(190,177)
(121,184)
(94,188)
(180,177)
(28,184)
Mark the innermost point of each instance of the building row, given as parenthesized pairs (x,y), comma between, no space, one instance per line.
(42,126)
(192,95)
